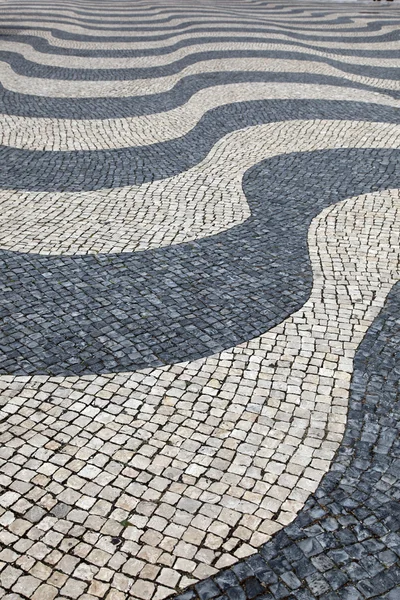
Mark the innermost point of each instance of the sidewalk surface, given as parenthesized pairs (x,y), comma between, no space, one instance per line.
(199,249)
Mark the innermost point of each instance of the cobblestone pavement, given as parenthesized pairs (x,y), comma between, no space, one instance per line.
(199,248)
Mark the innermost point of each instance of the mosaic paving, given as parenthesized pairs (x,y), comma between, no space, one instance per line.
(200,300)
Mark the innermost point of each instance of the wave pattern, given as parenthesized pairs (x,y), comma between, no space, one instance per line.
(199,249)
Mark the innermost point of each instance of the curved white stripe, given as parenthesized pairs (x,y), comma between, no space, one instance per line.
(264,8)
(57,88)
(192,32)
(85,63)
(142,15)
(114,18)
(166,7)
(157,25)
(199,202)
(296,23)
(97,134)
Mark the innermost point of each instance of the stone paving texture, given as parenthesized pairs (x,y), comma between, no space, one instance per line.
(200,257)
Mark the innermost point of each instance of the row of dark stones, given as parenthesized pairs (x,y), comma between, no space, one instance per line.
(99,169)
(27,105)
(30,68)
(249,35)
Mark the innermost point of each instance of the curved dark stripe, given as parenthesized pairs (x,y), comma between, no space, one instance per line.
(103,108)
(92,170)
(60,33)
(345,543)
(28,68)
(101,313)
(109,17)
(134,13)
(171,15)
(42,45)
(300,26)
(153,22)
(257,6)
(22,9)
(138,18)
(143,24)
(257,10)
